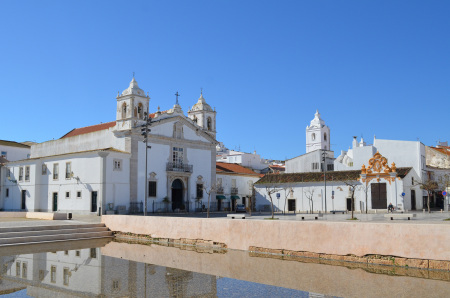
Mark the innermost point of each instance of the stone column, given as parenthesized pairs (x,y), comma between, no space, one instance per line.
(102,194)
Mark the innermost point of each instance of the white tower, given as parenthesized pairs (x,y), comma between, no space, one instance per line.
(131,106)
(317,135)
(205,117)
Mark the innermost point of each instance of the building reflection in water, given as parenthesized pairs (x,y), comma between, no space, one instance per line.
(85,272)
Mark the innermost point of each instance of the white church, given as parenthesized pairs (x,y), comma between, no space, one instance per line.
(101,168)
(384,172)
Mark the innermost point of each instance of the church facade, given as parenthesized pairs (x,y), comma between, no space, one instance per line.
(102,168)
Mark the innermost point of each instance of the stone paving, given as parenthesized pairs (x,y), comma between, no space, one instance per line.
(422,218)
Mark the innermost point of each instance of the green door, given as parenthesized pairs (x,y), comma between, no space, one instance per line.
(55,201)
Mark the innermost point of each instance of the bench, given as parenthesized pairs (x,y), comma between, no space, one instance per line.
(339,211)
(400,215)
(309,216)
(235,215)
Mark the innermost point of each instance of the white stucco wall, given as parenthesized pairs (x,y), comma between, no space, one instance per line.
(15,153)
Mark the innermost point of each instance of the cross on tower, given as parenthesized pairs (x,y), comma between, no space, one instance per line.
(176,94)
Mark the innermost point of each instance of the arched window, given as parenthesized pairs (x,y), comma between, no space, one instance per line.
(209,124)
(140,111)
(195,119)
(313,136)
(124,110)
(325,136)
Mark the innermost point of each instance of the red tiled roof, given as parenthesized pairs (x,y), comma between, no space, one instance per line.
(442,149)
(88,129)
(223,167)
(318,176)
(152,115)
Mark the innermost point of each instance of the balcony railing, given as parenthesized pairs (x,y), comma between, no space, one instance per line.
(234,190)
(178,167)
(219,190)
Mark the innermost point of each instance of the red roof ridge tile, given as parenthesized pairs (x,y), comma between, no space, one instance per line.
(88,129)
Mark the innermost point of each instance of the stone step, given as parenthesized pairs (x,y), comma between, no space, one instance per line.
(45,242)
(62,230)
(56,237)
(52,227)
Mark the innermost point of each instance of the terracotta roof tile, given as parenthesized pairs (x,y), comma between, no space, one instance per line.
(88,129)
(442,149)
(223,167)
(318,176)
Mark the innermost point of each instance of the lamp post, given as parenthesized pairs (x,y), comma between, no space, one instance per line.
(144,131)
(324,155)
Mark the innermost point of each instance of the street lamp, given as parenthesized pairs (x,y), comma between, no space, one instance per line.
(144,131)
(324,155)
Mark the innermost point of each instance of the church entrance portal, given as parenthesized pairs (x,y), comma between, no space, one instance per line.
(379,196)
(177,194)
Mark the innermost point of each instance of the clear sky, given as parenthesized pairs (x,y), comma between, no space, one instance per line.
(371,67)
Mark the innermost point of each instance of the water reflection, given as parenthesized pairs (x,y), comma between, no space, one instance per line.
(112,269)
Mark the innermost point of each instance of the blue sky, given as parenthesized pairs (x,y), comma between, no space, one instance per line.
(371,67)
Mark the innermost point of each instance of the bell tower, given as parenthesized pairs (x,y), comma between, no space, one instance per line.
(317,135)
(131,106)
(204,116)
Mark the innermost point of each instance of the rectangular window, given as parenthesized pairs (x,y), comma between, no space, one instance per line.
(152,188)
(55,171)
(17,268)
(27,173)
(77,253)
(314,166)
(67,194)
(7,192)
(68,170)
(44,169)
(199,191)
(233,182)
(78,194)
(53,274)
(330,167)
(21,174)
(4,153)
(177,157)
(117,165)
(66,252)
(24,270)
(115,285)
(8,173)
(66,276)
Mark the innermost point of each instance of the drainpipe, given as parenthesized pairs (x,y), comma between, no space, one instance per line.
(102,195)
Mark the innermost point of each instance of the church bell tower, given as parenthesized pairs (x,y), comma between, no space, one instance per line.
(205,117)
(317,135)
(131,106)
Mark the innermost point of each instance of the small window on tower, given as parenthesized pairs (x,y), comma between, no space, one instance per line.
(313,136)
(124,110)
(209,124)
(325,136)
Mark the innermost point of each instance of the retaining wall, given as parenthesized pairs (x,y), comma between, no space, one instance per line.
(408,240)
(35,215)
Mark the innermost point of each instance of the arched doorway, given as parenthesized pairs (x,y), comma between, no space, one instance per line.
(177,194)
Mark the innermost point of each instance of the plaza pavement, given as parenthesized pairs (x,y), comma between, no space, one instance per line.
(436,217)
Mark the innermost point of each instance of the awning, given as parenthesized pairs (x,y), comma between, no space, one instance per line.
(220,197)
(235,197)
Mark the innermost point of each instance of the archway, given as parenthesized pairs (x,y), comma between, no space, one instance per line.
(177,194)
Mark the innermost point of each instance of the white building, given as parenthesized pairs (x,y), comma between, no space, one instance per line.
(304,178)
(102,167)
(12,151)
(234,185)
(248,160)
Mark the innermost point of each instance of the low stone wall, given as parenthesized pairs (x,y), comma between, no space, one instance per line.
(403,240)
(35,215)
